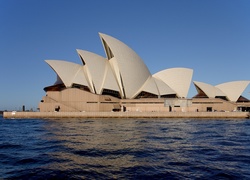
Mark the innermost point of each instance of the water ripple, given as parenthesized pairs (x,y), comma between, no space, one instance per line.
(124,149)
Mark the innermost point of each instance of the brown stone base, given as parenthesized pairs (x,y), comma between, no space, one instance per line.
(43,115)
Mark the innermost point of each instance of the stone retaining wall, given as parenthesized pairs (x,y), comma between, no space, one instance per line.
(44,115)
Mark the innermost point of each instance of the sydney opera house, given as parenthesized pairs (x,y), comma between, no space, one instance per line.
(122,82)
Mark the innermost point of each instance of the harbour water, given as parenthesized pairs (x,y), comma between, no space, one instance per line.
(124,148)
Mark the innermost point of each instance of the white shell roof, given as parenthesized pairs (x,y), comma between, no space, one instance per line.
(179,79)
(68,72)
(110,81)
(124,71)
(163,88)
(80,77)
(95,67)
(131,72)
(115,70)
(150,86)
(233,89)
(209,90)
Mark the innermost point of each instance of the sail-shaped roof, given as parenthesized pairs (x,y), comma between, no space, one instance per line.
(210,90)
(123,74)
(130,71)
(68,72)
(233,89)
(179,79)
(95,66)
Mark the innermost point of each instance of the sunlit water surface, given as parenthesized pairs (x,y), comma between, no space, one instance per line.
(124,149)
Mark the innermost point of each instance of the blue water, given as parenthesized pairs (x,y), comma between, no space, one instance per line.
(124,149)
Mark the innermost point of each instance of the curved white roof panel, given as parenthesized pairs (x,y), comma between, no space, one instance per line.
(115,70)
(163,88)
(208,89)
(68,72)
(80,77)
(157,87)
(150,86)
(233,89)
(179,79)
(95,67)
(110,81)
(130,70)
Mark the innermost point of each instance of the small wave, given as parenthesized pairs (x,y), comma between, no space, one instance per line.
(10,146)
(27,161)
(125,149)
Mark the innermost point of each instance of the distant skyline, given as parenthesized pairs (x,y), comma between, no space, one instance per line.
(211,37)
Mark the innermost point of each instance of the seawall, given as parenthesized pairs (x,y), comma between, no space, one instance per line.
(44,115)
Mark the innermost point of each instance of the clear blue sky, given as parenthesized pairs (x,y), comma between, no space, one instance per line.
(210,36)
